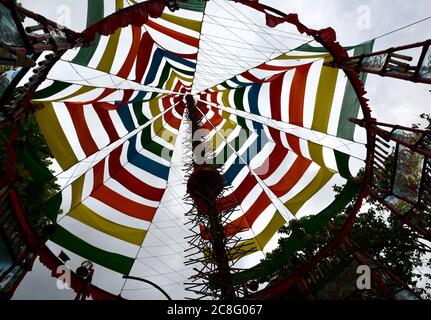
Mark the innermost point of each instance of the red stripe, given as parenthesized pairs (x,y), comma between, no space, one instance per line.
(194,42)
(173,121)
(251,77)
(167,101)
(133,52)
(292,177)
(274,160)
(106,92)
(86,141)
(275,88)
(274,68)
(246,220)
(128,180)
(107,124)
(117,201)
(144,55)
(123,204)
(294,143)
(297,94)
(281,188)
(214,121)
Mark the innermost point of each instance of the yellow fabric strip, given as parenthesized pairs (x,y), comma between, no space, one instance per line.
(324,98)
(302,57)
(169,85)
(91,219)
(226,130)
(316,155)
(319,181)
(183,22)
(154,107)
(105,64)
(225,98)
(180,76)
(163,132)
(259,242)
(322,112)
(55,136)
(77,187)
(273,226)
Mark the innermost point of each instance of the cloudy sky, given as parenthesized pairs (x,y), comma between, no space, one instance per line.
(355,22)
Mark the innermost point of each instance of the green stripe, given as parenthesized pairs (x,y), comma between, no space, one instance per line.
(112,261)
(350,109)
(137,109)
(238,98)
(307,48)
(193,5)
(94,13)
(54,88)
(53,206)
(342,160)
(350,106)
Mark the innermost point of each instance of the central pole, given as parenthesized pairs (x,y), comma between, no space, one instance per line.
(205,186)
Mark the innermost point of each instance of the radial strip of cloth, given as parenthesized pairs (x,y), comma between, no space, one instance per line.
(111,115)
(276,120)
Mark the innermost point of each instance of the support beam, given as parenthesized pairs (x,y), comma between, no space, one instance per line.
(392,63)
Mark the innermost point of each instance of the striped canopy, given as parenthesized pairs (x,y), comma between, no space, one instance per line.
(276,115)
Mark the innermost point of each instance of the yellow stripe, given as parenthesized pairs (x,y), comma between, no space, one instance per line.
(225,97)
(316,154)
(272,228)
(91,219)
(55,136)
(107,60)
(261,240)
(302,57)
(170,83)
(319,181)
(77,187)
(154,107)
(324,97)
(182,77)
(162,132)
(183,22)
(224,131)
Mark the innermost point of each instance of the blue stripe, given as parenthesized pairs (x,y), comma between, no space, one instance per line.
(256,147)
(170,55)
(147,164)
(126,117)
(155,65)
(253,95)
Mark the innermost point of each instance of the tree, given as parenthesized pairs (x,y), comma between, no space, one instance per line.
(384,237)
(32,153)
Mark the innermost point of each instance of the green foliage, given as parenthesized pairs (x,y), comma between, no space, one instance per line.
(33,193)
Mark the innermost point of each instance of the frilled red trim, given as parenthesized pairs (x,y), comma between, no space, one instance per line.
(136,15)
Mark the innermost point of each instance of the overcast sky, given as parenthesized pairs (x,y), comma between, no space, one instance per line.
(355,22)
